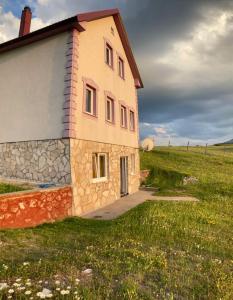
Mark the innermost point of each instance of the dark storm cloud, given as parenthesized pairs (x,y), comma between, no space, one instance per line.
(164,21)
(204,100)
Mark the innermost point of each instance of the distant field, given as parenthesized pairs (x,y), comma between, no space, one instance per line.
(159,250)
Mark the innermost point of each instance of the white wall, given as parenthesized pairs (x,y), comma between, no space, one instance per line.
(31,91)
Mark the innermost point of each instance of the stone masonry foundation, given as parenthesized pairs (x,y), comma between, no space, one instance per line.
(89,195)
(40,161)
(69,161)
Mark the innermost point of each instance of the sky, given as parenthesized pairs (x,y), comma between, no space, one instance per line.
(184,51)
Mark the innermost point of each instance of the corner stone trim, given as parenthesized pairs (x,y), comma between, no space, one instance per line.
(70,93)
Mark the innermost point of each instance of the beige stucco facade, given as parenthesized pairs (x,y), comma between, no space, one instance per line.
(91,65)
(31,91)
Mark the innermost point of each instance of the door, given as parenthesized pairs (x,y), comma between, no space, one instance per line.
(124,175)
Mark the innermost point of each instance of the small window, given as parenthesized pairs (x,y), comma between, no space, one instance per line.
(110,110)
(109,55)
(132,120)
(90,104)
(123,116)
(121,68)
(132,156)
(99,166)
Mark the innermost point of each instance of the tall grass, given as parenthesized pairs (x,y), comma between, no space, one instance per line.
(158,250)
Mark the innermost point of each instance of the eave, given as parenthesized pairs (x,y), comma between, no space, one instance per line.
(76,22)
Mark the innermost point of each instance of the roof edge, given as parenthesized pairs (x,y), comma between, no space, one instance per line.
(41,34)
(74,22)
(115,13)
(95,15)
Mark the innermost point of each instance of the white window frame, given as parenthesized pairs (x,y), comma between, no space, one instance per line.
(98,178)
(121,67)
(111,101)
(131,124)
(123,116)
(93,100)
(109,55)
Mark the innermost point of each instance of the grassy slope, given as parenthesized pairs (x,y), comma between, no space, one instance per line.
(10,188)
(156,251)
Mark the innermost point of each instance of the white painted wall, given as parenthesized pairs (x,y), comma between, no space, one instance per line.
(31,91)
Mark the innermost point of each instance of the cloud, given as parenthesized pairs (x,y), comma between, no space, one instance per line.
(189,79)
(184,52)
(9,26)
(160,130)
(54,10)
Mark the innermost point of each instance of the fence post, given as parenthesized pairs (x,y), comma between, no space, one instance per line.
(206,149)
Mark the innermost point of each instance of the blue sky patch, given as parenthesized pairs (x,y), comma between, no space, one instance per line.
(15,6)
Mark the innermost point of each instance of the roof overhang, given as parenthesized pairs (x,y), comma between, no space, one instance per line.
(76,22)
(42,34)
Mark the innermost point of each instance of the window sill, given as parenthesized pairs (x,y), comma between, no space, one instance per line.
(110,67)
(123,127)
(90,115)
(110,122)
(101,179)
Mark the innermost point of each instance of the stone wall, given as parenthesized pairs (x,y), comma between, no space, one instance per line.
(89,195)
(40,161)
(27,209)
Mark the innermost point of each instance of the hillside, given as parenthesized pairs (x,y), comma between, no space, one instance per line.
(226,143)
(159,250)
(229,142)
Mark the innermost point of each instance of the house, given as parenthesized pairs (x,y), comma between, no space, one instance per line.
(69,108)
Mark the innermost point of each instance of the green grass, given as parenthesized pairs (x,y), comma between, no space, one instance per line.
(159,250)
(10,188)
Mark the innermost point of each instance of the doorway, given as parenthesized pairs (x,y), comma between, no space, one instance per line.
(124,175)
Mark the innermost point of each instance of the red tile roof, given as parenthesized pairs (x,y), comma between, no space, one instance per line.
(74,22)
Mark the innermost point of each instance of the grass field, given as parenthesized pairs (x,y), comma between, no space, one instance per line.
(10,188)
(159,250)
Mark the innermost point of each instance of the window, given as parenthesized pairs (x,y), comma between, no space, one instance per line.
(99,166)
(110,110)
(123,116)
(132,158)
(121,68)
(132,120)
(90,101)
(109,55)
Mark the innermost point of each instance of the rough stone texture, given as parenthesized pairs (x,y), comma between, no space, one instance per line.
(144,174)
(89,195)
(40,161)
(27,209)
(190,180)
